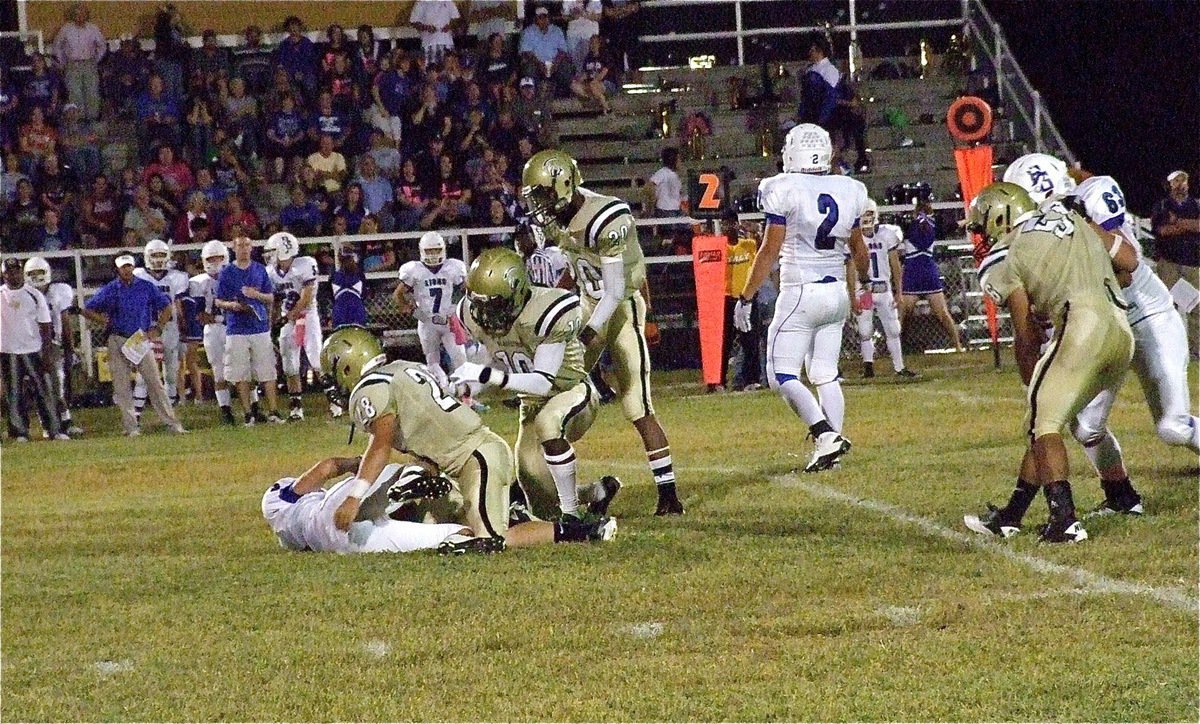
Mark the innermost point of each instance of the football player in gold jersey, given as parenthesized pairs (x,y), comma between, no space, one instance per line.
(532,335)
(402,407)
(599,237)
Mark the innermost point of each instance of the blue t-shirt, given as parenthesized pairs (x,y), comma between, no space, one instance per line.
(148,105)
(229,288)
(348,305)
(129,307)
(287,124)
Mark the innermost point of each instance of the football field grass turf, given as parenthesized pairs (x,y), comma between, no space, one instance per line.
(141,583)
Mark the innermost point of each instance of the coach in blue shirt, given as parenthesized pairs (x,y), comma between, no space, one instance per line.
(125,306)
(244,291)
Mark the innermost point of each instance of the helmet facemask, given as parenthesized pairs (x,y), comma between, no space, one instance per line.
(543,204)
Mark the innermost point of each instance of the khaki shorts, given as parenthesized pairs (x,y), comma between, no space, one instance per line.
(1090,353)
(624,336)
(249,356)
(566,415)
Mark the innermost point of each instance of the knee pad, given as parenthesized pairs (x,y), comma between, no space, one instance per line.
(1175,429)
(1087,435)
(822,374)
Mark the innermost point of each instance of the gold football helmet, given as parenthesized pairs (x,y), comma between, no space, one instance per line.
(548,184)
(346,356)
(997,209)
(498,288)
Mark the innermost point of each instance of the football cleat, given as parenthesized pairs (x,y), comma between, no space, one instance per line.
(606,530)
(1062,530)
(519,513)
(669,505)
(275,418)
(73,429)
(250,420)
(296,414)
(415,483)
(868,370)
(991,523)
(227,416)
(456,545)
(1132,506)
(611,486)
(830,448)
(906,372)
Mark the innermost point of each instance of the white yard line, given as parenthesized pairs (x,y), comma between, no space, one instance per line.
(964,397)
(1169,596)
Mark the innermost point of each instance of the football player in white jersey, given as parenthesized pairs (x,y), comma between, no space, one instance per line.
(173,283)
(295,279)
(60,298)
(300,510)
(428,288)
(812,223)
(1043,176)
(546,263)
(883,244)
(202,288)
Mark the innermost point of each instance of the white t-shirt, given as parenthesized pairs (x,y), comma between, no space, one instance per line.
(668,189)
(887,238)
(581,27)
(485,29)
(203,287)
(21,311)
(433,289)
(59,297)
(437,13)
(819,213)
(302,273)
(173,283)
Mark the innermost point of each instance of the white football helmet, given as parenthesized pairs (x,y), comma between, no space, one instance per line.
(215,256)
(870,217)
(37,272)
(157,255)
(285,245)
(433,248)
(807,149)
(1042,175)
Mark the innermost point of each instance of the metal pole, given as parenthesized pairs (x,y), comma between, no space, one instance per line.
(22,16)
(741,42)
(1037,122)
(852,62)
(999,62)
(85,334)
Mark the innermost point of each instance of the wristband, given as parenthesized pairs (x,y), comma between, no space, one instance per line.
(1116,246)
(359,488)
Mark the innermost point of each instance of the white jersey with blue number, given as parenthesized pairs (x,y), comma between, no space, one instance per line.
(887,238)
(173,283)
(433,289)
(546,266)
(288,285)
(1104,203)
(203,288)
(818,212)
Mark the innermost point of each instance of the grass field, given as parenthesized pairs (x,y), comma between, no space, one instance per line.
(140,583)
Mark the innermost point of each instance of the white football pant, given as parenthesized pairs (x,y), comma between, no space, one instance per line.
(806,333)
(433,338)
(889,317)
(214,349)
(289,350)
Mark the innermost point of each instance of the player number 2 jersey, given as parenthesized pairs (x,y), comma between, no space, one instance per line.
(433,289)
(550,316)
(1105,205)
(602,228)
(429,423)
(818,213)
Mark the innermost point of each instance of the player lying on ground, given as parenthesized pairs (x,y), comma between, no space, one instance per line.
(402,407)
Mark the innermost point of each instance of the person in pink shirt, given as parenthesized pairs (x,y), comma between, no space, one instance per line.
(79,47)
(175,173)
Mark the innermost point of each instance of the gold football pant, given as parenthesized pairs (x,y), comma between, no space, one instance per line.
(566,415)
(624,336)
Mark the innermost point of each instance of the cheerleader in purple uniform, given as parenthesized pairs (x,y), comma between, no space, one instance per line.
(921,277)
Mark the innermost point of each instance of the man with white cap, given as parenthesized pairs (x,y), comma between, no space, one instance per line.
(131,307)
(25,333)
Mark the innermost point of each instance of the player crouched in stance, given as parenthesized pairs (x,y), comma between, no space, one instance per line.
(1051,261)
(810,215)
(532,334)
(403,408)
(300,511)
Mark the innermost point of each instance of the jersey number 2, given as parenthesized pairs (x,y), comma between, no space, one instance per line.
(447,403)
(826,205)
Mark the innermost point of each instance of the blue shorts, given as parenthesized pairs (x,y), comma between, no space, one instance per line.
(921,276)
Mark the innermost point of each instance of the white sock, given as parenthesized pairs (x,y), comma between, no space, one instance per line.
(833,402)
(1105,454)
(562,469)
(172,394)
(868,350)
(223,398)
(660,466)
(802,402)
(139,394)
(897,352)
(254,393)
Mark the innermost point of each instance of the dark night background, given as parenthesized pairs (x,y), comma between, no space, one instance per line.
(1121,78)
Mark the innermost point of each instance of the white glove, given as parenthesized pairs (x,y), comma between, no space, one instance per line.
(471,374)
(741,315)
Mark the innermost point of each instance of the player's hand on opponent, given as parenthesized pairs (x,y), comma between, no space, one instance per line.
(470,378)
(741,314)
(346,512)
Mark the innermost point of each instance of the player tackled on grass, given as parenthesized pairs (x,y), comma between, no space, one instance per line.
(882,298)
(598,235)
(809,216)
(532,335)
(1050,261)
(403,408)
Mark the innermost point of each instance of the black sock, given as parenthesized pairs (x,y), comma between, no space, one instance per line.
(1118,490)
(571,532)
(820,428)
(254,408)
(1019,501)
(1058,496)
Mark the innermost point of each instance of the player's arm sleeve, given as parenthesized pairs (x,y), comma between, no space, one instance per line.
(558,326)
(612,272)
(772,206)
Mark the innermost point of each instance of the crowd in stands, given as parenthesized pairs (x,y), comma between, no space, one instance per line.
(350,135)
